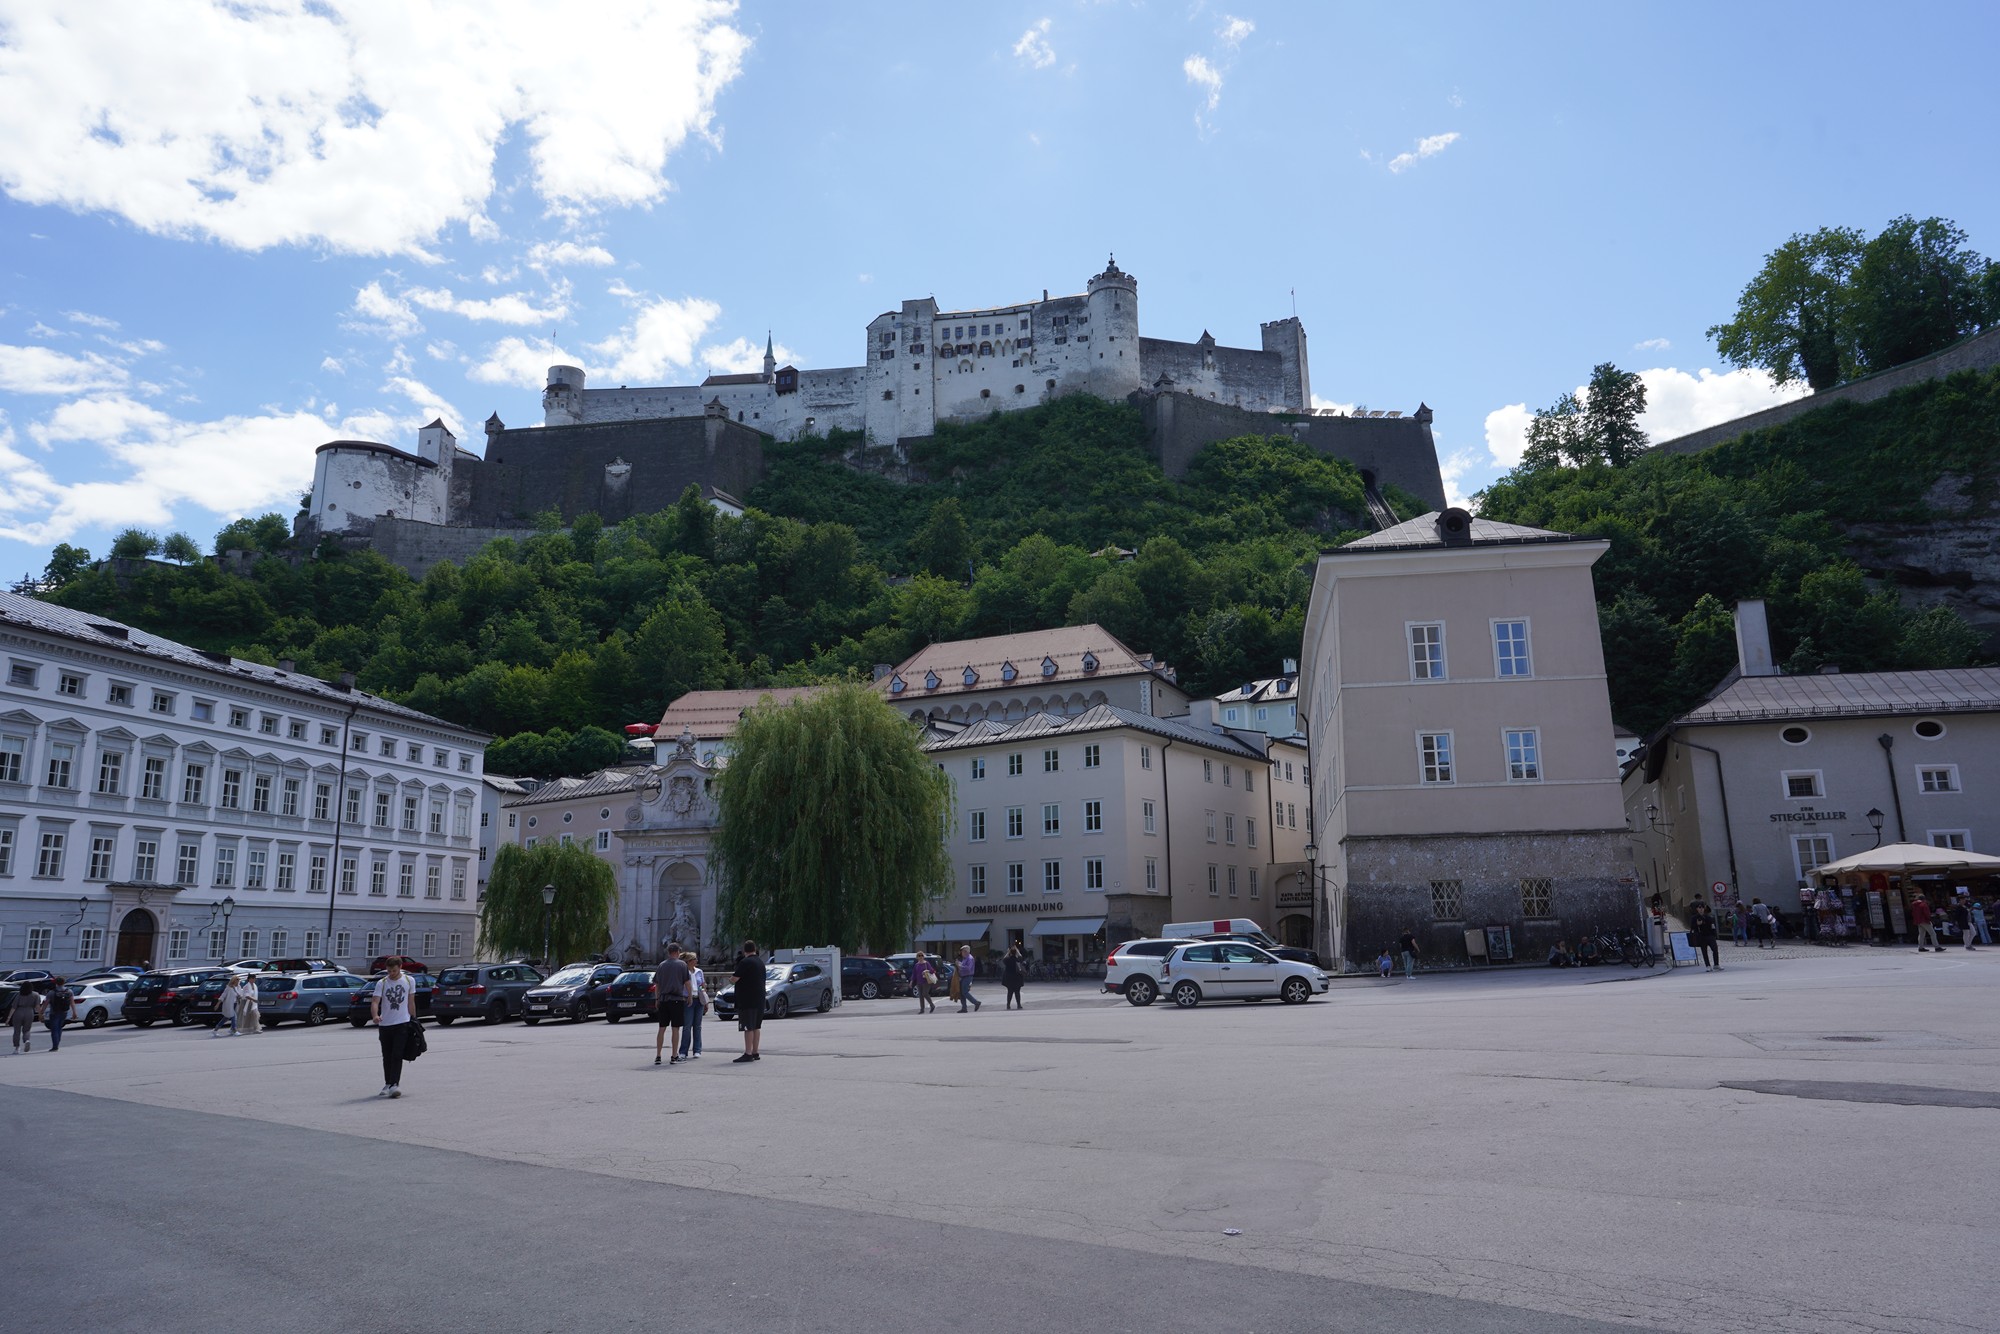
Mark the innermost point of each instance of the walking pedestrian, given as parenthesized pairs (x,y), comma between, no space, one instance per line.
(1760,922)
(22,1011)
(749,1000)
(1920,916)
(393,1008)
(1739,923)
(225,1009)
(249,1019)
(1979,922)
(1406,944)
(1013,972)
(1702,933)
(1961,917)
(58,1003)
(671,983)
(697,1006)
(967,966)
(923,979)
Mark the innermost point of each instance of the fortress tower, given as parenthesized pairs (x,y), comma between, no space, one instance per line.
(1113,298)
(562,401)
(1287,338)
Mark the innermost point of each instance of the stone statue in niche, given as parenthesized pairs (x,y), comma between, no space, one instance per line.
(685,925)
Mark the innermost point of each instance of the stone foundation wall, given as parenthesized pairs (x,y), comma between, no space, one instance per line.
(1396,450)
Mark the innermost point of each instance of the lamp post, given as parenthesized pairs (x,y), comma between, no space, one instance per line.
(228,907)
(1875,822)
(1312,887)
(548,913)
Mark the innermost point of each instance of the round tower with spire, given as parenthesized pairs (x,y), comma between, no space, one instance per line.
(1113,363)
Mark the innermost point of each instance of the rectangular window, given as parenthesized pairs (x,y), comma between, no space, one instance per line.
(604,840)
(39,940)
(203,711)
(1253,883)
(1292,815)
(1208,771)
(99,868)
(239,717)
(1250,831)
(455,945)
(349,870)
(1434,754)
(62,759)
(1524,755)
(1051,762)
(322,801)
(1017,824)
(296,730)
(1214,884)
(12,748)
(328,736)
(1537,898)
(406,880)
(1145,757)
(1146,817)
(1093,873)
(414,753)
(1152,873)
(254,864)
(352,806)
(378,880)
(410,814)
(1803,783)
(193,778)
(225,864)
(388,748)
(976,826)
(1510,648)
(1958,840)
(437,817)
(248,942)
(1229,830)
(374,942)
(1051,819)
(90,944)
(288,866)
(1249,780)
(402,940)
(279,940)
(458,881)
(1232,882)
(1014,765)
(289,803)
(1447,900)
(145,860)
(1093,756)
(232,789)
(430,943)
(465,764)
(111,772)
(1810,851)
(260,794)
(461,822)
(6,852)
(218,942)
(120,695)
(177,944)
(162,703)
(1051,877)
(1427,652)
(49,860)
(1093,817)
(433,882)
(1016,878)
(343,944)
(1208,818)
(382,803)
(1938,778)
(268,724)
(978,770)
(976,881)
(316,873)
(153,781)
(1225,776)
(1288,771)
(315,941)
(68,683)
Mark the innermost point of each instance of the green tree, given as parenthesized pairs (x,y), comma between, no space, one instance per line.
(831,826)
(933,609)
(514,920)
(134,544)
(266,532)
(1793,319)
(180,548)
(943,546)
(65,564)
(1918,288)
(1611,414)
(1557,435)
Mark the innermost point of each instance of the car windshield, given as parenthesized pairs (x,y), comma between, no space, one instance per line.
(635,977)
(458,977)
(777,972)
(569,977)
(150,984)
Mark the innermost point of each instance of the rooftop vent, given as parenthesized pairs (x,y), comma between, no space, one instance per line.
(1454,528)
(287,665)
(344,681)
(213,656)
(115,631)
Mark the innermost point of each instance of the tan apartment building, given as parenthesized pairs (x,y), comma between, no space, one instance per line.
(1061,672)
(587,811)
(1463,772)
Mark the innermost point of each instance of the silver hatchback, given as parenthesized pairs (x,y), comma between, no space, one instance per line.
(310,998)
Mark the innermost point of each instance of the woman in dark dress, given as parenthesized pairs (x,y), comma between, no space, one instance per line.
(1013,972)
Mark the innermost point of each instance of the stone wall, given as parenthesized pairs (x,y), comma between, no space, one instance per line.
(416,547)
(1389,890)
(612,469)
(1977,353)
(1389,450)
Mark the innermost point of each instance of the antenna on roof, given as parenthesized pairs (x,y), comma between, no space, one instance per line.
(1295,303)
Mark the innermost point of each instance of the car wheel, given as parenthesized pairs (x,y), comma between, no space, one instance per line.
(447,1020)
(497,1011)
(1186,995)
(530,1020)
(267,1023)
(1296,991)
(1141,991)
(610,1018)
(353,1021)
(97,1018)
(579,1012)
(315,1016)
(142,1023)
(869,991)
(178,1016)
(825,1000)
(780,1008)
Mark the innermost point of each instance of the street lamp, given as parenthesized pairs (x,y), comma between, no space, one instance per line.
(228,907)
(1875,822)
(1312,887)
(548,914)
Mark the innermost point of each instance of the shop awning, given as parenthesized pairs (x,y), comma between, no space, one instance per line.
(1067,926)
(954,932)
(1910,857)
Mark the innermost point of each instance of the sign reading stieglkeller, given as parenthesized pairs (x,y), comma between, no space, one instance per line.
(1807,815)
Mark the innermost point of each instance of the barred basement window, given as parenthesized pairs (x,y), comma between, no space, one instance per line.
(1447,900)
(1537,897)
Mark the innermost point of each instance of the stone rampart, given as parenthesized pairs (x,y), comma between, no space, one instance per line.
(612,469)
(1388,450)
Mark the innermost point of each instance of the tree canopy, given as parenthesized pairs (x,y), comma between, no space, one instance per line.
(512,916)
(831,824)
(1600,425)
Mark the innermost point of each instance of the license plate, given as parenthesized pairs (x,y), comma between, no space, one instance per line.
(538,1005)
(628,1005)
(454,993)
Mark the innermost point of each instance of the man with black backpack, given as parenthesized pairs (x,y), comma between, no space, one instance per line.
(749,999)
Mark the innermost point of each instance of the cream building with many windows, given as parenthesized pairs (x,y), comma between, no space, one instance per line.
(1461,728)
(161,803)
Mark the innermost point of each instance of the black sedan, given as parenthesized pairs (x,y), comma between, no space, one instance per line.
(573,993)
(631,996)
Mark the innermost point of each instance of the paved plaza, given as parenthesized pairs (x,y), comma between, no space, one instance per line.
(1793,1144)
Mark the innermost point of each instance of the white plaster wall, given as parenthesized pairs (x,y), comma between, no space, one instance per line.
(350,485)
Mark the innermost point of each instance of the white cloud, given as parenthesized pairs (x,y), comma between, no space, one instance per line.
(518,362)
(333,365)
(545,255)
(441,350)
(1429,146)
(41,330)
(1329,405)
(864,277)
(89,320)
(1676,403)
(40,370)
(511,309)
(1652,345)
(378,312)
(1452,468)
(740,356)
(1234,30)
(366,126)
(1204,75)
(661,338)
(1034,46)
(1507,433)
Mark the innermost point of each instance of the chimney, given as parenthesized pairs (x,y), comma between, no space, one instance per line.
(1454,528)
(1201,713)
(345,681)
(1753,639)
(287,666)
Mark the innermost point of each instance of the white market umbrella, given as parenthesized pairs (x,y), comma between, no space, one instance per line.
(1909,857)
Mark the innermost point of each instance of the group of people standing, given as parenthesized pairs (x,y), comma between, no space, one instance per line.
(680,990)
(53,1007)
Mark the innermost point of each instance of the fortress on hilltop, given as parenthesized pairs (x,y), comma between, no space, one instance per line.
(623,451)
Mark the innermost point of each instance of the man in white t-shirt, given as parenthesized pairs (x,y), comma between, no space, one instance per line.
(393,1006)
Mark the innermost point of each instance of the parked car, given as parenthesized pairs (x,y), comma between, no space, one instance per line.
(1243,929)
(38,978)
(310,998)
(1133,968)
(248,965)
(1233,970)
(631,995)
(362,1001)
(99,1000)
(380,964)
(865,978)
(488,991)
(169,994)
(574,993)
(302,966)
(788,988)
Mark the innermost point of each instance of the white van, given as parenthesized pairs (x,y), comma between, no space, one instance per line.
(1238,928)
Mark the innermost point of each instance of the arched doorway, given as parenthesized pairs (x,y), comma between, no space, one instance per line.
(677,907)
(1295,929)
(135,937)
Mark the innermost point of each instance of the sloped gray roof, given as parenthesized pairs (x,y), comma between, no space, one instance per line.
(115,636)
(1851,694)
(1101,718)
(1422,532)
(603,783)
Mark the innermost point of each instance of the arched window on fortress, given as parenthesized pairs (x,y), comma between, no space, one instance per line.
(965,365)
(986,349)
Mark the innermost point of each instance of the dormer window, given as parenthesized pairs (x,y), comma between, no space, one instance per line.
(932,680)
(1008,672)
(896,686)
(1089,661)
(971,677)
(1048,667)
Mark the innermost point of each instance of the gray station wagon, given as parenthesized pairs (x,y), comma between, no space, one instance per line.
(488,991)
(310,998)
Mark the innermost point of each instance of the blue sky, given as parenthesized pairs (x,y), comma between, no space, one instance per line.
(234,233)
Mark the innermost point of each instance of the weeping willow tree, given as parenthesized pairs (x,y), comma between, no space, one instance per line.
(511,919)
(831,824)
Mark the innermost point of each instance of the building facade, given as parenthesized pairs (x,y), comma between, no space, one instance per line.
(1270,706)
(1063,672)
(1461,729)
(163,804)
(1772,776)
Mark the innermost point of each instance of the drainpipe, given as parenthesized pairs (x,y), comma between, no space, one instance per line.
(1728,836)
(1889,756)
(1167,823)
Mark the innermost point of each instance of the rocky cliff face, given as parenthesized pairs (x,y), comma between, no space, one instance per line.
(1952,559)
